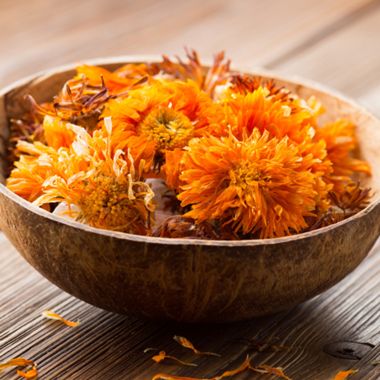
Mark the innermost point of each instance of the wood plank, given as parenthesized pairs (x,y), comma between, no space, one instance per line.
(252,32)
(349,61)
(111,346)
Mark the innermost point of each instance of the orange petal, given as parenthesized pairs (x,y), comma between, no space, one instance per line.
(31,374)
(16,362)
(342,375)
(51,315)
(164,376)
(162,356)
(277,371)
(244,366)
(184,342)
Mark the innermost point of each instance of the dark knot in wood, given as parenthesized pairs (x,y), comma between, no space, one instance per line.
(347,349)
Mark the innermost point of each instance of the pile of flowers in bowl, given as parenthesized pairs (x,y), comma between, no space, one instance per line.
(174,149)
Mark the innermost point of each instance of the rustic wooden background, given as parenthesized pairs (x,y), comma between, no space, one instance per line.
(335,42)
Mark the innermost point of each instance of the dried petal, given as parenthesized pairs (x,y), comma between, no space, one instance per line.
(16,362)
(187,344)
(353,199)
(277,371)
(162,356)
(149,349)
(21,362)
(164,376)
(192,69)
(342,375)
(31,374)
(243,367)
(51,315)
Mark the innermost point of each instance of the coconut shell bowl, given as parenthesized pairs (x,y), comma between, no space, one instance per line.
(187,279)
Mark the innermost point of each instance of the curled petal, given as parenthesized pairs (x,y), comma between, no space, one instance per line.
(51,315)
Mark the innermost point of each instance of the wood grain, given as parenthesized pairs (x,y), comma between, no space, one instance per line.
(351,63)
(335,42)
(252,32)
(108,346)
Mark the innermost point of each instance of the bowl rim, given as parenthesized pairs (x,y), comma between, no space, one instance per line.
(297,80)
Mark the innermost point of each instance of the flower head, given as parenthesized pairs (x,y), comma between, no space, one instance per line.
(161,116)
(341,144)
(259,109)
(105,188)
(259,184)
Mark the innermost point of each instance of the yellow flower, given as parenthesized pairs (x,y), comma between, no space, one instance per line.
(161,116)
(257,185)
(105,187)
(258,109)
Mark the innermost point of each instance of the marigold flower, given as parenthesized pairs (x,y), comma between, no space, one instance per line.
(259,184)
(258,109)
(106,188)
(341,143)
(162,116)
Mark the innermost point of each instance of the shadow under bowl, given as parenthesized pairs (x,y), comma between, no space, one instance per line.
(184,279)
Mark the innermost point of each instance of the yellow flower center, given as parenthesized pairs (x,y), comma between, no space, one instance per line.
(109,206)
(245,175)
(168,128)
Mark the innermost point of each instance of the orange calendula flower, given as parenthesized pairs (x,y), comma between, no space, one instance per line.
(161,116)
(258,109)
(259,184)
(105,188)
(341,143)
(77,102)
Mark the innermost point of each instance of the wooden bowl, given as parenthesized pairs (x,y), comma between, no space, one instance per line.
(183,279)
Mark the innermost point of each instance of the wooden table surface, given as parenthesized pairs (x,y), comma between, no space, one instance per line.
(335,42)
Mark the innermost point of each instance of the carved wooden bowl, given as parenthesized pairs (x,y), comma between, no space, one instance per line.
(184,279)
